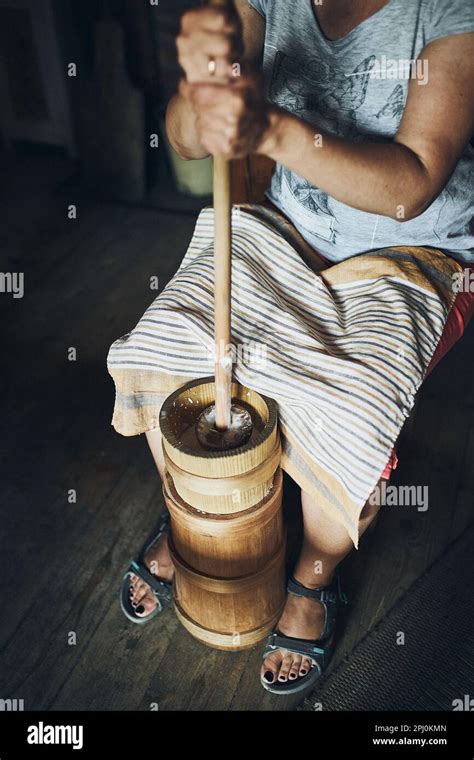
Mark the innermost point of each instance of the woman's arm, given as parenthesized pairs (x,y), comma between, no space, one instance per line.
(402,178)
(208,33)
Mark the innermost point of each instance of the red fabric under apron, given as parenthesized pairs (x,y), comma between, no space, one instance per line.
(459,318)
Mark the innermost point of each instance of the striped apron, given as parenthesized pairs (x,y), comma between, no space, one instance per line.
(342,348)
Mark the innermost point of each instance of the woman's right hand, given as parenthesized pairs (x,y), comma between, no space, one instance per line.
(209,34)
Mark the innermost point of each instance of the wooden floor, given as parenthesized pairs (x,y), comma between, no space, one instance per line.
(65,643)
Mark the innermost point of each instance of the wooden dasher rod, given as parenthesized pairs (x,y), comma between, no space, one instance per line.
(222,278)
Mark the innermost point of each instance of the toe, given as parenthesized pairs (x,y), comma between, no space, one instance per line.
(271,666)
(295,667)
(132,588)
(305,666)
(140,588)
(146,605)
(285,667)
(141,593)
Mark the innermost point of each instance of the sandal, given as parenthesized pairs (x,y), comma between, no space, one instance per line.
(161,590)
(320,650)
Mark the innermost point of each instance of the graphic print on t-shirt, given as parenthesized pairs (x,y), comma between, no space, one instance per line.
(334,97)
(394,105)
(333,103)
(312,199)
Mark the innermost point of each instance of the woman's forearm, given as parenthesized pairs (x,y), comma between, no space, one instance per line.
(181,129)
(385,178)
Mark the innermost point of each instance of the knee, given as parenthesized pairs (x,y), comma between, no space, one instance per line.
(369,510)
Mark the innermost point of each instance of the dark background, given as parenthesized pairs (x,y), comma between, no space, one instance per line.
(101,116)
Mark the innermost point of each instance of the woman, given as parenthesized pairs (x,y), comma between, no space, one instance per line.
(366,106)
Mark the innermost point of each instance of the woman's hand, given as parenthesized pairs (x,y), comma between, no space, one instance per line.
(230,108)
(209,34)
(231,120)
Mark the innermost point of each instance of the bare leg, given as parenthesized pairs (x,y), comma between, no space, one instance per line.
(325,544)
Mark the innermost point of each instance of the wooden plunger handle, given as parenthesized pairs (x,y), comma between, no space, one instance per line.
(222,279)
(222,293)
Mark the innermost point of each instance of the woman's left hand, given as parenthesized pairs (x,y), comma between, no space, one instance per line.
(231,119)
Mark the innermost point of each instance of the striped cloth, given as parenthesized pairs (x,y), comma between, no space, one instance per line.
(342,351)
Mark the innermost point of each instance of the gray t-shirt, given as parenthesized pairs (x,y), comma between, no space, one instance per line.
(356,87)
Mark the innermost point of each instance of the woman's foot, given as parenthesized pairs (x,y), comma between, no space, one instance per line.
(302,618)
(158,561)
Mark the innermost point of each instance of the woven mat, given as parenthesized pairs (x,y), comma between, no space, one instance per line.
(435,665)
